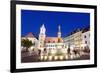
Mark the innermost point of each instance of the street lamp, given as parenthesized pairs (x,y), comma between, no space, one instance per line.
(61,57)
(50,57)
(55,57)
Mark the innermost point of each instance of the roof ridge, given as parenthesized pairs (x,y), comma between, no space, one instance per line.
(30,34)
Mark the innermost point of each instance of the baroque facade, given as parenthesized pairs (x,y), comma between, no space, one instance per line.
(78,39)
(59,47)
(31,38)
(51,45)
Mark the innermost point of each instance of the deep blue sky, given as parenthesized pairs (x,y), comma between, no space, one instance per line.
(32,20)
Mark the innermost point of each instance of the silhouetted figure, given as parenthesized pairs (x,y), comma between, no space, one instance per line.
(68,51)
(45,51)
(75,51)
(39,52)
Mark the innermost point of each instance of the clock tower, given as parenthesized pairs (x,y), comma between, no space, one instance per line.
(42,36)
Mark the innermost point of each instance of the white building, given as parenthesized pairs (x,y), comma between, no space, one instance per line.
(74,40)
(42,36)
(32,38)
(53,48)
(79,39)
(85,39)
(51,44)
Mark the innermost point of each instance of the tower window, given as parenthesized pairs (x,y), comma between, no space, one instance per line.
(85,36)
(85,42)
(89,35)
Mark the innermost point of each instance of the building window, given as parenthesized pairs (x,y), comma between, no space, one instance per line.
(89,35)
(85,42)
(48,41)
(85,36)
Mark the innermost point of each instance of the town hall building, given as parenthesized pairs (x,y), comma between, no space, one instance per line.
(51,45)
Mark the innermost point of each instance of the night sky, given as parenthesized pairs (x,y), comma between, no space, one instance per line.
(32,20)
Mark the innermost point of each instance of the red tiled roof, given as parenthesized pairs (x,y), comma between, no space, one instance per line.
(52,40)
(29,35)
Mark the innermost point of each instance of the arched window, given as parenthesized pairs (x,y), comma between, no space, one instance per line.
(85,42)
(85,36)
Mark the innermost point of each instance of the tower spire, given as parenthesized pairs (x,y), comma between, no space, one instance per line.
(42,29)
(59,31)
